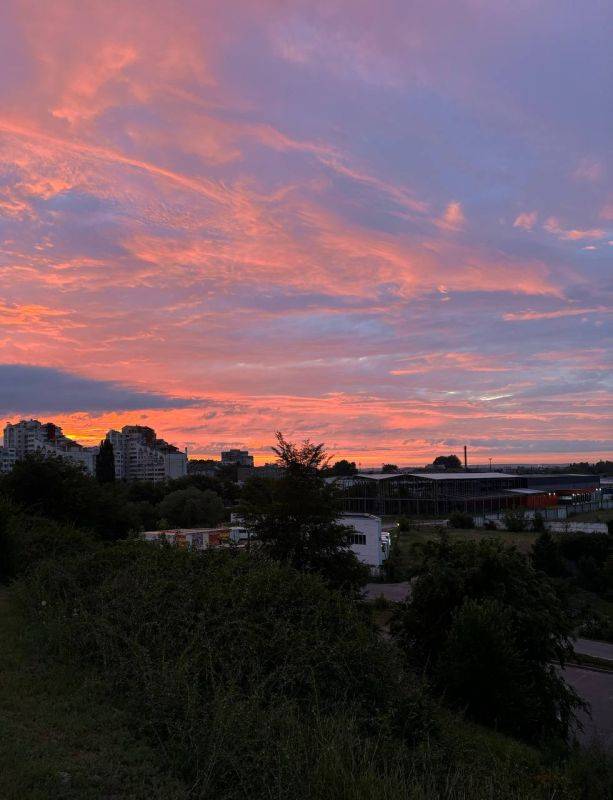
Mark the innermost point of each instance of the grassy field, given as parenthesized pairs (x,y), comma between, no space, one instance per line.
(407,540)
(59,738)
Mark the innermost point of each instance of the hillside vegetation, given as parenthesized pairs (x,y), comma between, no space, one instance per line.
(133,671)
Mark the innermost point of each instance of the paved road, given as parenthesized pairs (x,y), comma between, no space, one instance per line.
(590,647)
(396,592)
(597,688)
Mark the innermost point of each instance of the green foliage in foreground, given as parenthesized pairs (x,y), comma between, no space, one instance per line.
(60,737)
(250,680)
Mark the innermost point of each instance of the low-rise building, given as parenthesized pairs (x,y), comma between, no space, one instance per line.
(368,542)
(195,538)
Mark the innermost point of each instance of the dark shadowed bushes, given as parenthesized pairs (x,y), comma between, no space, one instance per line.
(256,681)
(221,657)
(26,540)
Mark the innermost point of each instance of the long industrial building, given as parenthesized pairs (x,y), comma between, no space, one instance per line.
(440,493)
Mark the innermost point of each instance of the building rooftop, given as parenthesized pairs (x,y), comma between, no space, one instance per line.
(526,491)
(359,514)
(437,476)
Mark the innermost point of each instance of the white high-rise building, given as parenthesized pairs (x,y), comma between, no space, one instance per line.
(32,436)
(140,456)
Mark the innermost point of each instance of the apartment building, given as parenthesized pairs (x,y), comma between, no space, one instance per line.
(8,458)
(31,436)
(141,456)
(241,458)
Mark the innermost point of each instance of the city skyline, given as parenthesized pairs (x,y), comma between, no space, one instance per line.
(390,232)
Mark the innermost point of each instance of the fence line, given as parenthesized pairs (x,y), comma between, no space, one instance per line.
(555,514)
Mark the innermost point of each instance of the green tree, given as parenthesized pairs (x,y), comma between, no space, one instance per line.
(52,487)
(447,462)
(295,519)
(58,489)
(546,556)
(342,467)
(105,462)
(185,508)
(480,663)
(389,468)
(477,607)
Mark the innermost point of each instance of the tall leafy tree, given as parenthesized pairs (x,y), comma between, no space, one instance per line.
(295,519)
(491,632)
(188,507)
(342,467)
(105,462)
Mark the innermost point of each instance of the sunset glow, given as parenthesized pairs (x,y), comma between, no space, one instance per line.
(385,226)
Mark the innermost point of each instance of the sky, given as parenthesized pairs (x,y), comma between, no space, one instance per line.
(385,226)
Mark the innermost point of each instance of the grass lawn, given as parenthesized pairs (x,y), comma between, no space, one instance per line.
(406,539)
(59,738)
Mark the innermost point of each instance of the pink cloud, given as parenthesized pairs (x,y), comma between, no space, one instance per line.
(590,170)
(551,225)
(526,220)
(453,218)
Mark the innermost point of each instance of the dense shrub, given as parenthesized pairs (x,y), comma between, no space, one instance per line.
(26,540)
(458,519)
(515,521)
(223,646)
(256,681)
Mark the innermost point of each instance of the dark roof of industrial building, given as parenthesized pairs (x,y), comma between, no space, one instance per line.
(435,476)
